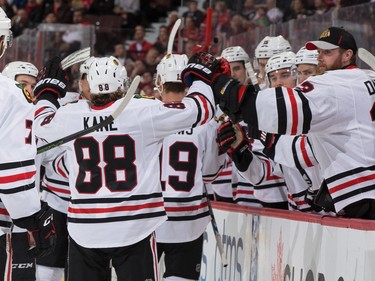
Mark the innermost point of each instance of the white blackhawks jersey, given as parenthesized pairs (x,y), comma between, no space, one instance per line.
(114,175)
(17,153)
(337,112)
(189,159)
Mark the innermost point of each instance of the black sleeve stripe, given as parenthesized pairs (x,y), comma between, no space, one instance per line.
(199,117)
(307,116)
(303,173)
(18,189)
(248,108)
(281,111)
(15,165)
(349,173)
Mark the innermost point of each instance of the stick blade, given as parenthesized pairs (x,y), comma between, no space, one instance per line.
(76,57)
(367,57)
(172,36)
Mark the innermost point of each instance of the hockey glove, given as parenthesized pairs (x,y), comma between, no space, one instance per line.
(42,229)
(267,139)
(201,66)
(231,138)
(52,80)
(310,196)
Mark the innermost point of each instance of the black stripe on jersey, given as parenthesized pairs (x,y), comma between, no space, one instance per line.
(66,183)
(185,199)
(67,199)
(116,200)
(18,189)
(281,109)
(221,181)
(299,194)
(240,183)
(7,224)
(302,171)
(307,116)
(199,117)
(265,186)
(248,200)
(349,173)
(189,218)
(116,219)
(15,165)
(354,193)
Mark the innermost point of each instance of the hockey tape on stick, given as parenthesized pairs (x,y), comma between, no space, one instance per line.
(250,72)
(367,57)
(76,57)
(129,95)
(217,234)
(172,36)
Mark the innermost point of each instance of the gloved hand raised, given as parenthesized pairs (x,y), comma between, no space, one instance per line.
(204,66)
(52,79)
(42,229)
(231,138)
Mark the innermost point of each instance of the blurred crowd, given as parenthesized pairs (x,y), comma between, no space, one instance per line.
(130,19)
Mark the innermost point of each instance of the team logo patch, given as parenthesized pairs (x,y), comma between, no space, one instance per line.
(325,34)
(143,96)
(26,94)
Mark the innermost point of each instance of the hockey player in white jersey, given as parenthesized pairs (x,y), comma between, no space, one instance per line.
(25,74)
(114,172)
(307,64)
(268,47)
(189,159)
(17,168)
(335,110)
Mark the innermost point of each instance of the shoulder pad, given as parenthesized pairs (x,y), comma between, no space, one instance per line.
(26,94)
(143,96)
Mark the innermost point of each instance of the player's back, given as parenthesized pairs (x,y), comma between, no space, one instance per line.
(189,159)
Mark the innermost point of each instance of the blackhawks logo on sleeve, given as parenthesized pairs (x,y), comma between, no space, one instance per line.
(26,94)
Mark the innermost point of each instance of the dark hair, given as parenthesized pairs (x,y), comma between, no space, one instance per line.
(103,99)
(174,87)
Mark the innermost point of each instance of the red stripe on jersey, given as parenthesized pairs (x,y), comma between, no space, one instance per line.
(241,93)
(225,173)
(39,111)
(304,153)
(4,212)
(247,192)
(293,104)
(268,172)
(59,190)
(18,177)
(351,183)
(186,208)
(298,203)
(60,171)
(115,209)
(205,105)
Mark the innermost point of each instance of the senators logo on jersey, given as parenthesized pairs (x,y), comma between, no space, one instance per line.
(26,94)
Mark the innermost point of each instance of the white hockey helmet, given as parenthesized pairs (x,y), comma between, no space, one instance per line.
(5,31)
(271,46)
(169,69)
(235,53)
(279,61)
(106,75)
(85,66)
(305,56)
(12,69)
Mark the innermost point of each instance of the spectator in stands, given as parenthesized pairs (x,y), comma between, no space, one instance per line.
(19,22)
(50,18)
(161,42)
(150,62)
(189,47)
(35,12)
(261,19)
(120,53)
(321,7)
(172,17)
(274,14)
(248,10)
(7,8)
(146,85)
(102,7)
(189,31)
(138,49)
(129,11)
(193,12)
(298,10)
(237,26)
(61,9)
(223,12)
(216,27)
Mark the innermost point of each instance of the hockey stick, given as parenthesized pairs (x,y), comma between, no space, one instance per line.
(367,57)
(129,95)
(216,231)
(250,72)
(76,57)
(172,36)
